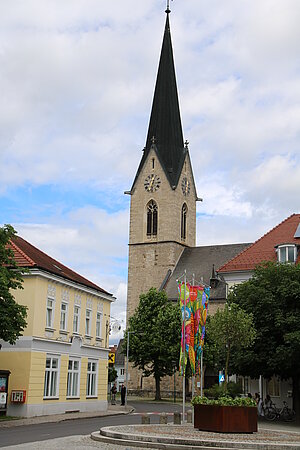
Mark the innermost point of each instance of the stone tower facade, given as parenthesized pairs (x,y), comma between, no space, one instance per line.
(163,195)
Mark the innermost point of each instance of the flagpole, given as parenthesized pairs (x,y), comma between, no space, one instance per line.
(184,366)
(193,376)
(201,369)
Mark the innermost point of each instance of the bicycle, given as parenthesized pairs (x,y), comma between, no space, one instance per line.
(271,412)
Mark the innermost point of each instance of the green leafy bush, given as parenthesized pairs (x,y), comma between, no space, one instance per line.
(233,390)
(224,401)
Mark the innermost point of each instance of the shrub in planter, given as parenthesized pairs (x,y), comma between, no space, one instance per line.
(225,414)
(233,390)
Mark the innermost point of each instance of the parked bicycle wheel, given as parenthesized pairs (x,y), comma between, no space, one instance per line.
(288,415)
(270,413)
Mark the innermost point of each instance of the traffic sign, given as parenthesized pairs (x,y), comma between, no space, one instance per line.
(111,358)
(221,377)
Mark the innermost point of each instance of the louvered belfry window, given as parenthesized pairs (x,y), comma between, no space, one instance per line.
(152,214)
(183,221)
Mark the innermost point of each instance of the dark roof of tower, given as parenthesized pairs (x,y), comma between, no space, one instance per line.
(165,122)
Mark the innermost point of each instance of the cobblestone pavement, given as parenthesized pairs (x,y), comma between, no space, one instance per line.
(189,432)
(66,443)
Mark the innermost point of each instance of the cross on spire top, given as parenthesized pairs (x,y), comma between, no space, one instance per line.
(168,7)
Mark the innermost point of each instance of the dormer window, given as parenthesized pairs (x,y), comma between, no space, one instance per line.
(287,253)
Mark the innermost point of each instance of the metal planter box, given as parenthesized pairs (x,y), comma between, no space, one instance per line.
(225,419)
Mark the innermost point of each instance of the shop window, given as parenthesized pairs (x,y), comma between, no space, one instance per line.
(73,378)
(51,378)
(91,380)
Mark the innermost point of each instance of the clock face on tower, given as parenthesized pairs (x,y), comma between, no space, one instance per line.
(152,183)
(185,186)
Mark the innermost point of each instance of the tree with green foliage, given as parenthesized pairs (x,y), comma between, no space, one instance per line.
(12,315)
(155,330)
(112,374)
(272,295)
(229,330)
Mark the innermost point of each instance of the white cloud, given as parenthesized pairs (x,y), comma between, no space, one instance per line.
(77,79)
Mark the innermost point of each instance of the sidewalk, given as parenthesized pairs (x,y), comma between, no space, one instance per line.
(112,410)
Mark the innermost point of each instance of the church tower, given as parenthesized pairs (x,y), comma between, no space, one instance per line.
(163,194)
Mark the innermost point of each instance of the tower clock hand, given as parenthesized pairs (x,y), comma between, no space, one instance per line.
(151,182)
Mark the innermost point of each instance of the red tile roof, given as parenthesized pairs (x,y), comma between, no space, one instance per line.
(264,248)
(26,255)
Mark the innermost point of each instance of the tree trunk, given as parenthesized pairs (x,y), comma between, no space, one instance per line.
(157,389)
(296,397)
(226,367)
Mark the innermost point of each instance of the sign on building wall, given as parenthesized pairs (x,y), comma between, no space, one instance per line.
(18,396)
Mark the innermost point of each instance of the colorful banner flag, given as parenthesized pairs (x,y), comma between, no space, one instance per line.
(194,301)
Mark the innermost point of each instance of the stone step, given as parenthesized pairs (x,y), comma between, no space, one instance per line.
(120,435)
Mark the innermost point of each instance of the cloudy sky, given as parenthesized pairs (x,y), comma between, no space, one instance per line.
(76,86)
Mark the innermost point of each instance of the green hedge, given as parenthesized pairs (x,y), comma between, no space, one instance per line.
(224,401)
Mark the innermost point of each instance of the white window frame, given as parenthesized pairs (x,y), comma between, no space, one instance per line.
(63,313)
(88,321)
(73,377)
(92,379)
(99,318)
(284,249)
(52,374)
(49,323)
(77,315)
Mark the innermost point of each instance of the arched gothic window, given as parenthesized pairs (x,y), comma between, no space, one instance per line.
(152,212)
(183,221)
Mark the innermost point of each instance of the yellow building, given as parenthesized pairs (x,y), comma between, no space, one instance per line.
(60,362)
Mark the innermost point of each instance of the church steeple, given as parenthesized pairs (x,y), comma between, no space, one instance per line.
(165,122)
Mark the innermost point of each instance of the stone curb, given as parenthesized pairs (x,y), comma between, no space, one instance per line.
(61,418)
(96,436)
(110,435)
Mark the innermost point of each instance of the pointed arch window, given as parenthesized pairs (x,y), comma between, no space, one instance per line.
(152,213)
(183,221)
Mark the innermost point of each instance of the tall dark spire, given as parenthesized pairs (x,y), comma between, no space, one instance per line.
(165,122)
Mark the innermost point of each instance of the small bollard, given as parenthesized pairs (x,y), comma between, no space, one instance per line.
(189,416)
(163,419)
(145,419)
(177,418)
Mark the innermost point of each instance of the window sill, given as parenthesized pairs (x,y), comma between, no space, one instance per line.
(92,396)
(88,336)
(50,329)
(50,398)
(63,332)
(73,398)
(99,339)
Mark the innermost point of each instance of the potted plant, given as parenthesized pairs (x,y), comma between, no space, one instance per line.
(225,414)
